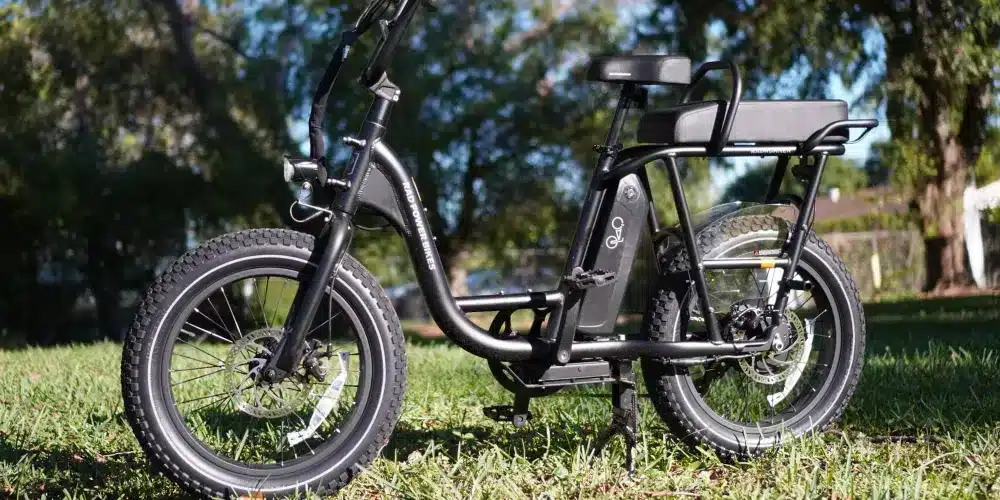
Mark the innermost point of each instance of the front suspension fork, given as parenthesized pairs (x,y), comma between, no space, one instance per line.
(333,241)
(331,246)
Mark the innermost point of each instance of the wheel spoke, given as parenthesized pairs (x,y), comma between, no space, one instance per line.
(214,402)
(207,364)
(328,320)
(213,334)
(263,310)
(230,306)
(200,349)
(214,322)
(243,440)
(217,315)
(281,298)
(306,441)
(195,368)
(220,394)
(175,384)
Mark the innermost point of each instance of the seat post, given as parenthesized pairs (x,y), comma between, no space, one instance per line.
(607,157)
(588,215)
(562,322)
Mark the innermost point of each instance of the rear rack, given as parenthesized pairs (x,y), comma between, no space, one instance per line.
(817,137)
(720,135)
(631,159)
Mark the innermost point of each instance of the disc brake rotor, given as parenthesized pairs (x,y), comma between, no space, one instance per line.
(773,367)
(243,363)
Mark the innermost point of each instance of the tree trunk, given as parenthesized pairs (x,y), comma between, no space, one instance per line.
(458,257)
(941,210)
(458,274)
(100,265)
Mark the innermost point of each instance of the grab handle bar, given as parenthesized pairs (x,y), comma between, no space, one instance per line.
(720,137)
(818,136)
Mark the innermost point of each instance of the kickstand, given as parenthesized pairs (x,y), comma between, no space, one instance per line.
(624,412)
(517,414)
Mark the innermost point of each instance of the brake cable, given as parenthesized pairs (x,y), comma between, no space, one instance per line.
(317,147)
(372,12)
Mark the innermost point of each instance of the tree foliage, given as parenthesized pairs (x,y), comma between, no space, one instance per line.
(132,130)
(124,134)
(752,185)
(933,64)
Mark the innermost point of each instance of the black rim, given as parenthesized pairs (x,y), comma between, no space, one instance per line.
(225,417)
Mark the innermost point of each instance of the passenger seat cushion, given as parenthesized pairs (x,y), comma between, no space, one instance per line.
(759,122)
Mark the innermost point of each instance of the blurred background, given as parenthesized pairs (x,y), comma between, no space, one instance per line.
(132,130)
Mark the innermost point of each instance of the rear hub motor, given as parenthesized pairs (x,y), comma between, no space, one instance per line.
(775,366)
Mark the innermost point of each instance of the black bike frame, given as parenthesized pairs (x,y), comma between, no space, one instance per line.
(375,164)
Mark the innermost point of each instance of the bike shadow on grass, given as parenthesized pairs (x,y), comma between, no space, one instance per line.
(38,472)
(532,442)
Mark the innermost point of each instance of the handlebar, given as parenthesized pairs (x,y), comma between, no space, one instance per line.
(387,46)
(722,137)
(376,68)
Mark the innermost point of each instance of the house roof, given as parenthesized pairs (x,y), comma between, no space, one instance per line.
(861,202)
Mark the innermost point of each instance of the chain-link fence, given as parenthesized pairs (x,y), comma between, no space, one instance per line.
(882,262)
(892,262)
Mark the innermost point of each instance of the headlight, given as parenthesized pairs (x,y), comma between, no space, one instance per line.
(302,170)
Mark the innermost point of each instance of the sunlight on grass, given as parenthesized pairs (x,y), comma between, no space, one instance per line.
(924,422)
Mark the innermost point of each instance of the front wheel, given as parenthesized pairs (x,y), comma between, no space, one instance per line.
(743,405)
(204,329)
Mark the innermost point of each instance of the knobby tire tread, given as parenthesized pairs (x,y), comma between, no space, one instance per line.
(665,305)
(165,283)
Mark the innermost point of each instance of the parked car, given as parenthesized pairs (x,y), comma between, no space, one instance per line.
(409,302)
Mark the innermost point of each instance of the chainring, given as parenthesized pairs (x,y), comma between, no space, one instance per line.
(257,399)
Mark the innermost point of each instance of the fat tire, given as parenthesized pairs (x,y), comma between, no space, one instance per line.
(665,382)
(150,432)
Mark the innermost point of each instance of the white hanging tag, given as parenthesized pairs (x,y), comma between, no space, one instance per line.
(325,404)
(800,366)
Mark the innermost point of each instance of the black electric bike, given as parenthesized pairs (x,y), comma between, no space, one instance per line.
(269,361)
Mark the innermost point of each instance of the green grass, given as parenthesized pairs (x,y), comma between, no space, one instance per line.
(924,422)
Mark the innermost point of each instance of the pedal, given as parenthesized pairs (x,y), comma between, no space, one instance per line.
(608,150)
(507,413)
(582,280)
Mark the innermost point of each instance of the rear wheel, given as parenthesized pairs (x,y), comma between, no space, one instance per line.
(204,330)
(747,404)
